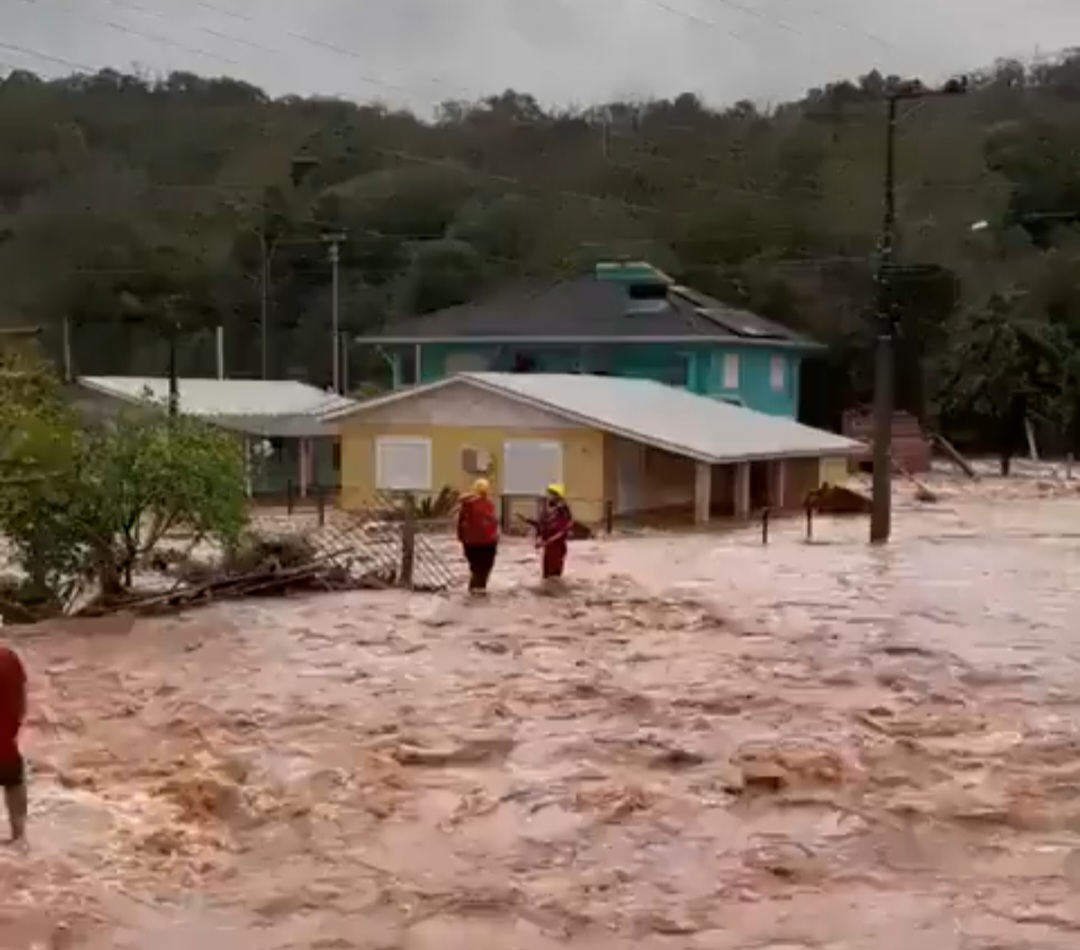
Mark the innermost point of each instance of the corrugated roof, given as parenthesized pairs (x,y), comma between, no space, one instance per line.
(652,413)
(587,308)
(260,406)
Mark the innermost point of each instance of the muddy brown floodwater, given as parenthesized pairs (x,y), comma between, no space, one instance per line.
(703,744)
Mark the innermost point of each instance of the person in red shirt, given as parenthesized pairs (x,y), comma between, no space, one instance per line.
(478,532)
(553,532)
(12,713)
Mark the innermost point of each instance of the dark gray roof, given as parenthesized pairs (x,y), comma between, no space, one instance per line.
(586,307)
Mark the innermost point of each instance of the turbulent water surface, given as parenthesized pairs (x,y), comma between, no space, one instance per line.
(704,743)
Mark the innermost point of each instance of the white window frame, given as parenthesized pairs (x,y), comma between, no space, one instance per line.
(731,370)
(778,373)
(422,484)
(533,486)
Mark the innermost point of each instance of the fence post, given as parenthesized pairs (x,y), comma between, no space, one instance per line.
(408,541)
(609,516)
(765,512)
(320,503)
(809,520)
(290,496)
(505,507)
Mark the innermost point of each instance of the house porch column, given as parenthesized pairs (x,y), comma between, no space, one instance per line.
(304,464)
(778,483)
(742,491)
(702,493)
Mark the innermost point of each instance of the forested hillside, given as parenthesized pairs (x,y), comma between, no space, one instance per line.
(130,204)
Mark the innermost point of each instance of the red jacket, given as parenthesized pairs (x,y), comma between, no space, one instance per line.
(478,523)
(555,523)
(12,703)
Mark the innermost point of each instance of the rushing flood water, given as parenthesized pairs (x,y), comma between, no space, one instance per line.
(705,743)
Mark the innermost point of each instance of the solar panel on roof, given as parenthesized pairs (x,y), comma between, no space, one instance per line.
(646,305)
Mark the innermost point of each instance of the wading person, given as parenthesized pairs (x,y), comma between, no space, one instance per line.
(478,532)
(553,532)
(12,713)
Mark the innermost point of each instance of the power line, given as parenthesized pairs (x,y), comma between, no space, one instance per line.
(163,40)
(755,14)
(209,31)
(47,57)
(843,25)
(326,47)
(340,50)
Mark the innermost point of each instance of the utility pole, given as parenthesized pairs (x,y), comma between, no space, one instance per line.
(264,301)
(173,330)
(335,240)
(219,350)
(65,343)
(884,362)
(174,377)
(881,510)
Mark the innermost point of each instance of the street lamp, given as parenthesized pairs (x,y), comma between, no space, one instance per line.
(884,384)
(334,240)
(299,168)
(1036,223)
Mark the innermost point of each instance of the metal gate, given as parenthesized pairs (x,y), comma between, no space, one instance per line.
(385,543)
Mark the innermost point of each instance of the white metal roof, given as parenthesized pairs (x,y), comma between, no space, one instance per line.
(280,407)
(653,413)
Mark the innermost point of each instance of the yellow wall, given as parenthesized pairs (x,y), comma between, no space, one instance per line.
(834,471)
(583,461)
(802,477)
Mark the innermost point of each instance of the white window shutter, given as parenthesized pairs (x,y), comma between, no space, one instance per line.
(778,373)
(403,464)
(529,466)
(731,371)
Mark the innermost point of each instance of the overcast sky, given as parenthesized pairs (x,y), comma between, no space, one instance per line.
(566,51)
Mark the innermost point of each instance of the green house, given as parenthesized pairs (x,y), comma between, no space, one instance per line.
(623,319)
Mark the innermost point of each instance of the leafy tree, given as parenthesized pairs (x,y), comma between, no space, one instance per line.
(40,456)
(148,475)
(1004,368)
(79,504)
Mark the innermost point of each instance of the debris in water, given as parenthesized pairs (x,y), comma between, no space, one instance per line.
(470,752)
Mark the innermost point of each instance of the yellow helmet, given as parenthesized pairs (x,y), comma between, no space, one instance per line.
(482,486)
(557,490)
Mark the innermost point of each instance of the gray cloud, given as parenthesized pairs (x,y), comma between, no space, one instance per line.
(420,52)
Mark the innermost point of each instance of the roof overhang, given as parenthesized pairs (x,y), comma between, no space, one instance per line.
(856,448)
(274,427)
(285,425)
(773,342)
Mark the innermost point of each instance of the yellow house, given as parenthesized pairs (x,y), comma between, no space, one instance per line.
(632,444)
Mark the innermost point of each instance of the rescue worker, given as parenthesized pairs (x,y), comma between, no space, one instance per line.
(553,531)
(478,532)
(12,714)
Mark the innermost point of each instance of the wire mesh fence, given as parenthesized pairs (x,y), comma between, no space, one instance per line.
(383,541)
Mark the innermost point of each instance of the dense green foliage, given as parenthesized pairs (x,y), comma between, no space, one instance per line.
(131,205)
(83,504)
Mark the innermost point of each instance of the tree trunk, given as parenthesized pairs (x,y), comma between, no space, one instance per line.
(1012,432)
(109,575)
